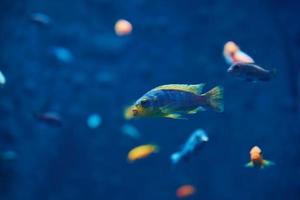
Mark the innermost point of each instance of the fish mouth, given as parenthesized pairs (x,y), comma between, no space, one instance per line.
(131,112)
(135,112)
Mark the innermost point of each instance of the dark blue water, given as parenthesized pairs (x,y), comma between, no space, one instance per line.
(171,42)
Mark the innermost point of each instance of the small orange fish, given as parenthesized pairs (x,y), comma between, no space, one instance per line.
(142,151)
(185,191)
(257,159)
(233,54)
(123,27)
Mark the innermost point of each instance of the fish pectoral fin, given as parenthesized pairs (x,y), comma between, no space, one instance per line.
(249,164)
(268,163)
(167,109)
(199,109)
(174,116)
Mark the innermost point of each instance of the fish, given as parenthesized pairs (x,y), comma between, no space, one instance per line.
(51,118)
(142,151)
(131,131)
(194,143)
(185,191)
(175,101)
(251,72)
(256,159)
(233,54)
(123,27)
(62,54)
(40,19)
(2,79)
(94,121)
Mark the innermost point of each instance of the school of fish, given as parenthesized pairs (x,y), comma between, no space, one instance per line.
(178,101)
(173,101)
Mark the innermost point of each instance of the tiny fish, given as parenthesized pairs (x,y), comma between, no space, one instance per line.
(256,159)
(251,72)
(62,54)
(233,54)
(2,79)
(123,27)
(176,100)
(41,19)
(94,121)
(185,191)
(142,151)
(130,131)
(195,142)
(51,118)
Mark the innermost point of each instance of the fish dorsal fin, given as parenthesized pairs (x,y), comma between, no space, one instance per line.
(196,89)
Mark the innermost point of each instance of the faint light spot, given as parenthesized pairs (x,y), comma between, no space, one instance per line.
(8,155)
(62,54)
(2,79)
(130,131)
(40,18)
(94,121)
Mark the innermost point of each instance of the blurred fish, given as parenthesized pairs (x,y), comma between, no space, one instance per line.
(175,100)
(131,131)
(195,142)
(51,118)
(2,79)
(40,19)
(142,151)
(62,54)
(8,155)
(257,159)
(123,27)
(185,191)
(251,72)
(94,121)
(233,54)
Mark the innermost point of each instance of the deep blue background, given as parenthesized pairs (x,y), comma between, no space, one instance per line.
(172,42)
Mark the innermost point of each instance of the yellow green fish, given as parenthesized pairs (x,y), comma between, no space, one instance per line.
(175,101)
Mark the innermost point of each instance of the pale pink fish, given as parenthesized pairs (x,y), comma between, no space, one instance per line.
(233,54)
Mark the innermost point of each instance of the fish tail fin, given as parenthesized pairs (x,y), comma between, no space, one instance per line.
(249,164)
(273,72)
(267,163)
(215,98)
(156,148)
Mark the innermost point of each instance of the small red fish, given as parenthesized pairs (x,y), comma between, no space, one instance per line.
(51,118)
(185,191)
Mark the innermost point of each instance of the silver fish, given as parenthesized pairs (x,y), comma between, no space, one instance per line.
(251,72)
(192,145)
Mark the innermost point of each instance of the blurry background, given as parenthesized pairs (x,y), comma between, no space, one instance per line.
(99,72)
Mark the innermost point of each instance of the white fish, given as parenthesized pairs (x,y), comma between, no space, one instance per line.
(194,143)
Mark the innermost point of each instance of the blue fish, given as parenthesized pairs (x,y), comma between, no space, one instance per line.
(175,101)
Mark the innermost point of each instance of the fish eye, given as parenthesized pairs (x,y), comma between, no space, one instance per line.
(145,102)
